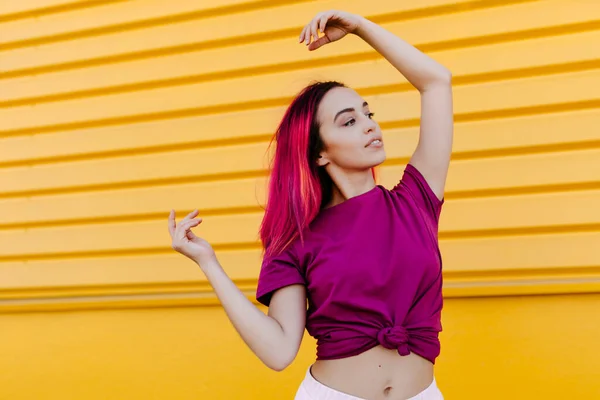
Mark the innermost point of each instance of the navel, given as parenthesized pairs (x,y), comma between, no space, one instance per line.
(387,391)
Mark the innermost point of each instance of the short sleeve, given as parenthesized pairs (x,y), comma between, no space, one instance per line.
(276,273)
(414,182)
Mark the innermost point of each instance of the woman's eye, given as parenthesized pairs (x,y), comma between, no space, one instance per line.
(352,120)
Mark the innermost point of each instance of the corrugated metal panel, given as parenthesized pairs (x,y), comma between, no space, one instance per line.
(23,9)
(113,113)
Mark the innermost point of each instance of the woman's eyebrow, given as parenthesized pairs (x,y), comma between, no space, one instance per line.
(365,104)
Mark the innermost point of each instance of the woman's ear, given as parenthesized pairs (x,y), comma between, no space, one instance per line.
(322,160)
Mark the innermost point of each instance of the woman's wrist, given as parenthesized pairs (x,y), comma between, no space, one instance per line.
(207,264)
(362,26)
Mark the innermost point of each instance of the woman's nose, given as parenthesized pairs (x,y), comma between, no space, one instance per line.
(370,126)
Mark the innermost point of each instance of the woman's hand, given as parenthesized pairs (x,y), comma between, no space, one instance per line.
(186,242)
(333,24)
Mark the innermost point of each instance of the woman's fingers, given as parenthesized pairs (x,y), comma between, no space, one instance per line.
(190,235)
(315,45)
(307,31)
(171,222)
(323,22)
(306,34)
(314,26)
(310,32)
(182,234)
(302,37)
(192,222)
(190,215)
(183,225)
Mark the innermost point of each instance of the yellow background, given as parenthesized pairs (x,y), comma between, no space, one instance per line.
(114,112)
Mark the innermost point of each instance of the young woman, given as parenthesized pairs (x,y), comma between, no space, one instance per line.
(364,258)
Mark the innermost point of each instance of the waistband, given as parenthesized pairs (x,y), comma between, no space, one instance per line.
(318,391)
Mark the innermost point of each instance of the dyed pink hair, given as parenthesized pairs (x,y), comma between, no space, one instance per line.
(298,188)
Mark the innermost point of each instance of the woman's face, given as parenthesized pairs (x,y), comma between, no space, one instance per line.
(347,129)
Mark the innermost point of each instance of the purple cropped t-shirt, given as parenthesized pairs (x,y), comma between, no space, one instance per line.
(373,272)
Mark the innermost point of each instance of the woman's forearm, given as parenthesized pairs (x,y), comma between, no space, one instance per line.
(262,333)
(417,67)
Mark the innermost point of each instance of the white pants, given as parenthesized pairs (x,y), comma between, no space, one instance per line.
(311,389)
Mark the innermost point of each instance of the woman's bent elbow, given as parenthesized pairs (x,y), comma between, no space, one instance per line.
(278,367)
(279,364)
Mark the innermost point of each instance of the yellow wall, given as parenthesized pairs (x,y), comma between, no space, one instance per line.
(114,112)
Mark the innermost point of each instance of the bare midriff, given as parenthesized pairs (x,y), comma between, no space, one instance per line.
(378,373)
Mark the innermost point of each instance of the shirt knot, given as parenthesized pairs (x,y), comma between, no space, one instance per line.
(395,337)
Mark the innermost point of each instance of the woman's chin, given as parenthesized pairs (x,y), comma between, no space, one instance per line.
(381,157)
